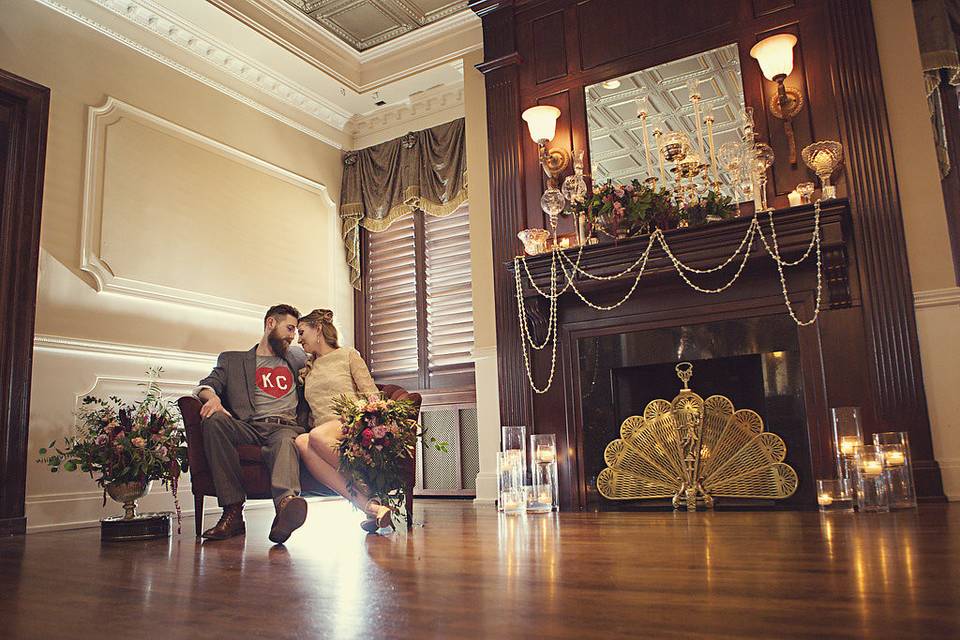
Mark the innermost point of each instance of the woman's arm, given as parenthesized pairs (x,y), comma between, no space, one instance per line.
(361,376)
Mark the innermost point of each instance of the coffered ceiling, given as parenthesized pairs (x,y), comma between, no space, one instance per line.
(363,24)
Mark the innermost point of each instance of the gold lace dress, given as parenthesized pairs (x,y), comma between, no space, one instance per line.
(341,371)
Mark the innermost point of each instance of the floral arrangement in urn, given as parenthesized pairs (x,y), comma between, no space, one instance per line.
(627,210)
(377,446)
(121,444)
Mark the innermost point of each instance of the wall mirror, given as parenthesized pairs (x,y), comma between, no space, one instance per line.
(615,131)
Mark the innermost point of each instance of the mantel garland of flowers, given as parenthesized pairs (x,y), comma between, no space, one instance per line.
(571,268)
(627,210)
(118,442)
(377,445)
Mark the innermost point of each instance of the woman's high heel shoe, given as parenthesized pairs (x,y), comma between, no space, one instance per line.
(378,517)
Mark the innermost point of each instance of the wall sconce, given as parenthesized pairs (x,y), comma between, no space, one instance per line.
(542,124)
(775,56)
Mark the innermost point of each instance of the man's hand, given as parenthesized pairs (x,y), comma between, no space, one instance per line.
(212,406)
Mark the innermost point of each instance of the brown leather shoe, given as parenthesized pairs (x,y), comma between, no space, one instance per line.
(231,524)
(291,514)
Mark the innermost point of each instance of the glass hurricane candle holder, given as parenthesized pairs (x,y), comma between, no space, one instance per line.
(509,469)
(834,495)
(543,451)
(873,494)
(847,436)
(895,446)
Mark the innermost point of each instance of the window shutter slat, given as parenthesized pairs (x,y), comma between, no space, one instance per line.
(391,299)
(449,291)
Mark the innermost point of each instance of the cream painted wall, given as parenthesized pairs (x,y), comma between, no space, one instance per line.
(203,213)
(481,248)
(928,249)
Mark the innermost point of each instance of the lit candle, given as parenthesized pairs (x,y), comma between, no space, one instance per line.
(656,146)
(510,502)
(871,467)
(545,453)
(894,458)
(848,445)
(713,157)
(543,495)
(824,500)
(564,243)
(794,198)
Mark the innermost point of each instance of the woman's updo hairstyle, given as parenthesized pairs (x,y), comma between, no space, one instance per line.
(322,320)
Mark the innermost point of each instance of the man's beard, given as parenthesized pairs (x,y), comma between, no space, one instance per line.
(277,343)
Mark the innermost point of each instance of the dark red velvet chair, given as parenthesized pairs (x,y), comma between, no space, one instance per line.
(256,479)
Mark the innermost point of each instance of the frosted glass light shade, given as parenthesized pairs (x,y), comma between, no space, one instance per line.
(542,122)
(775,55)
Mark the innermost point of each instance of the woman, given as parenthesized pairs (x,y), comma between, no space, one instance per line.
(332,371)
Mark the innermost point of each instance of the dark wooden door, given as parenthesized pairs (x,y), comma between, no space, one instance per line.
(24,106)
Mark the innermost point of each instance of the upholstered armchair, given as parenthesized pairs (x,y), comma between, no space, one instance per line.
(256,479)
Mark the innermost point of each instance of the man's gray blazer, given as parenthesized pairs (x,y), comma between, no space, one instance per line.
(233,380)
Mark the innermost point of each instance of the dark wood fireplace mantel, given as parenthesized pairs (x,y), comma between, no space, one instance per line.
(709,245)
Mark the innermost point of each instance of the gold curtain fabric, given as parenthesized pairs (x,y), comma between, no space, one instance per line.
(423,170)
(938,53)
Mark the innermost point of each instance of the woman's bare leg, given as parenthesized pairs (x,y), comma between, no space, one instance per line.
(327,474)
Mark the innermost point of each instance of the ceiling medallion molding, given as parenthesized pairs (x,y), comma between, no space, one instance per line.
(439,105)
(359,71)
(186,37)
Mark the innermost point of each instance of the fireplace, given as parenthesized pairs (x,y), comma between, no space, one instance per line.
(755,362)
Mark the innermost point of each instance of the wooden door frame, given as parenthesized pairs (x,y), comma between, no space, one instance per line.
(21,197)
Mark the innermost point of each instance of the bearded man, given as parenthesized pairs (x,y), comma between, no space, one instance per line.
(252,397)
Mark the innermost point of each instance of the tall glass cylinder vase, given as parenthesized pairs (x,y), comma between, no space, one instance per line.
(509,472)
(515,439)
(895,446)
(847,436)
(543,453)
(873,493)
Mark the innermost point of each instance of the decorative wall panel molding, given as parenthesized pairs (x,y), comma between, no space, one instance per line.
(51,343)
(189,38)
(99,121)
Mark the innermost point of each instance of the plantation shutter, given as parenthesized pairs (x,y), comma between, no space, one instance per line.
(449,299)
(392,301)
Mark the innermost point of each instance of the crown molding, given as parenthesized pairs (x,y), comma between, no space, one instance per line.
(167,29)
(372,68)
(422,110)
(937,298)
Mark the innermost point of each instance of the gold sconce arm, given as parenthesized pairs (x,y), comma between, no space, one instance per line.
(785,105)
(554,161)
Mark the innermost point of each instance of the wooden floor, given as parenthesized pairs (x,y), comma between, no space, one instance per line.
(467,573)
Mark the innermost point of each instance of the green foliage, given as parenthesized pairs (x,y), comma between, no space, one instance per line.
(124,442)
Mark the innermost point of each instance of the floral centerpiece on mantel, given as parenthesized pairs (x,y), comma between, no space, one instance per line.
(628,210)
(377,446)
(121,443)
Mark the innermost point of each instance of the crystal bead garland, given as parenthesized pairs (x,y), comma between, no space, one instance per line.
(558,256)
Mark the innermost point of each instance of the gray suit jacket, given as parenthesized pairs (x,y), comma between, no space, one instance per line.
(233,380)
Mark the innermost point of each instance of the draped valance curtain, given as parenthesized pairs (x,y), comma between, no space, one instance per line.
(940,60)
(423,170)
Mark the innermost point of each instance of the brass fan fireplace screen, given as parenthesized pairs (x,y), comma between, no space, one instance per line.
(694,450)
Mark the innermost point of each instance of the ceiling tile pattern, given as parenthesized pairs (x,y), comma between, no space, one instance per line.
(366,23)
(614,131)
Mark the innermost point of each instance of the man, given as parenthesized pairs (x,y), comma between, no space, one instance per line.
(252,397)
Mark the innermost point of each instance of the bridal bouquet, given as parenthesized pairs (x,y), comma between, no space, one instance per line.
(377,446)
(118,442)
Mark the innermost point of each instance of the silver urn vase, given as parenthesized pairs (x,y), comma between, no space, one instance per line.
(127,493)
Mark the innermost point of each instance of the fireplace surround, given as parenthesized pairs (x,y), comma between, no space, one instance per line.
(862,351)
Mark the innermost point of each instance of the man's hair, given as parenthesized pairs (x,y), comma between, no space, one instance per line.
(279,311)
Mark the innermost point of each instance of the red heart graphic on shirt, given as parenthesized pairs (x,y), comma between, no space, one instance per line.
(276,382)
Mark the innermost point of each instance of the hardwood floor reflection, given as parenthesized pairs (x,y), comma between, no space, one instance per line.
(469,574)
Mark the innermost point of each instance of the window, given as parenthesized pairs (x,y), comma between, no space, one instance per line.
(416,309)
